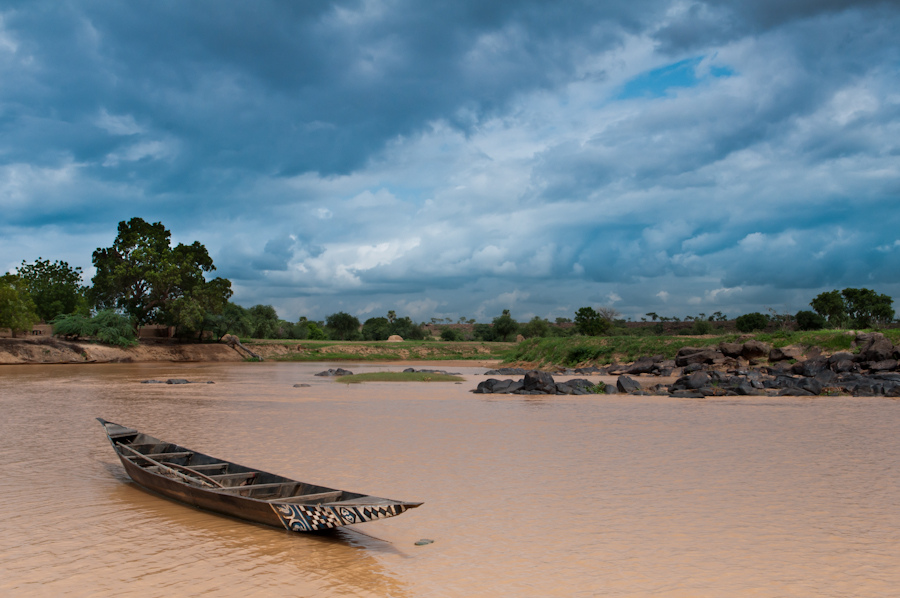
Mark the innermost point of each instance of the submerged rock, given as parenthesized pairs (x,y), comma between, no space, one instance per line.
(335,372)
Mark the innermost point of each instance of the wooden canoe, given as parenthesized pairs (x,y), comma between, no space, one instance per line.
(231,489)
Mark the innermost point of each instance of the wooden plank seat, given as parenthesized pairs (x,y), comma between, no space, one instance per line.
(303,498)
(159,456)
(253,487)
(197,468)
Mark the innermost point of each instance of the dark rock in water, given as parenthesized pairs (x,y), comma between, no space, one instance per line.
(302,385)
(424,542)
(540,381)
(810,384)
(487,387)
(564,389)
(825,377)
(795,392)
(713,391)
(864,389)
(210,382)
(177,381)
(747,389)
(687,394)
(697,380)
(582,384)
(335,372)
(610,390)
(646,365)
(628,385)
(152,382)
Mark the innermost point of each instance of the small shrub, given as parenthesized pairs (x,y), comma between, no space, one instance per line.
(581,354)
(701,327)
(751,322)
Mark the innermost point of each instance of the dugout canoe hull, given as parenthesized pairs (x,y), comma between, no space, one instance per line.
(213,484)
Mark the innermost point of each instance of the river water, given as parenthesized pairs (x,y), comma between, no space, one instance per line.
(524,496)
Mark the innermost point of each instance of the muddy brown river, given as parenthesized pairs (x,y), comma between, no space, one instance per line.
(524,496)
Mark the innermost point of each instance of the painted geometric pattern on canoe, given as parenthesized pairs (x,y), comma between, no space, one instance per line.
(307,518)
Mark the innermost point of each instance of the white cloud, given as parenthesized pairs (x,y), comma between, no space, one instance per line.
(118,125)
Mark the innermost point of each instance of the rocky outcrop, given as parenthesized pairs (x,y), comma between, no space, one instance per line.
(537,382)
(335,372)
(739,369)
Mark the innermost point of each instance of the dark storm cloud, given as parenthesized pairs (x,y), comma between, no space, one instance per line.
(465,157)
(279,87)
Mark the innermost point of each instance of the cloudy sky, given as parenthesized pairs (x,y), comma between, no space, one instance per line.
(460,157)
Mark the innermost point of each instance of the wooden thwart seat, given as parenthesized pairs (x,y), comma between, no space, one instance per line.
(158,456)
(252,487)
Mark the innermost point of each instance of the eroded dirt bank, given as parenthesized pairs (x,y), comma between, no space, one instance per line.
(53,350)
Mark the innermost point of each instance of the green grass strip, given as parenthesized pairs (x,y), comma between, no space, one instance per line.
(398,377)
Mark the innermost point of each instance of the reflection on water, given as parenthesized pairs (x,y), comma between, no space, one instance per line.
(556,496)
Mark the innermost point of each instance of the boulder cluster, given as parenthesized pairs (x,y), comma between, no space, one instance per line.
(731,369)
(536,382)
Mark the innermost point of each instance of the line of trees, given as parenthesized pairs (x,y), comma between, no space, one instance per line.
(142,279)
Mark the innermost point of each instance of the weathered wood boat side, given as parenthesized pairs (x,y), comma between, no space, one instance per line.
(225,487)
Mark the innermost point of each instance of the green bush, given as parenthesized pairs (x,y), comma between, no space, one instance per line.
(751,322)
(451,334)
(107,327)
(809,320)
(114,329)
(701,327)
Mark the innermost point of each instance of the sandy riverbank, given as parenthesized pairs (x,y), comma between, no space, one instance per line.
(49,350)
(53,350)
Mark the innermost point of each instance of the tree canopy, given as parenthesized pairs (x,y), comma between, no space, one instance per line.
(862,308)
(17,310)
(505,327)
(153,282)
(54,287)
(590,323)
(342,326)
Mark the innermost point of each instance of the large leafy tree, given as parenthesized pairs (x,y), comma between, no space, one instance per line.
(860,307)
(263,321)
(17,310)
(831,306)
(55,288)
(377,329)
(867,308)
(154,282)
(505,328)
(342,326)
